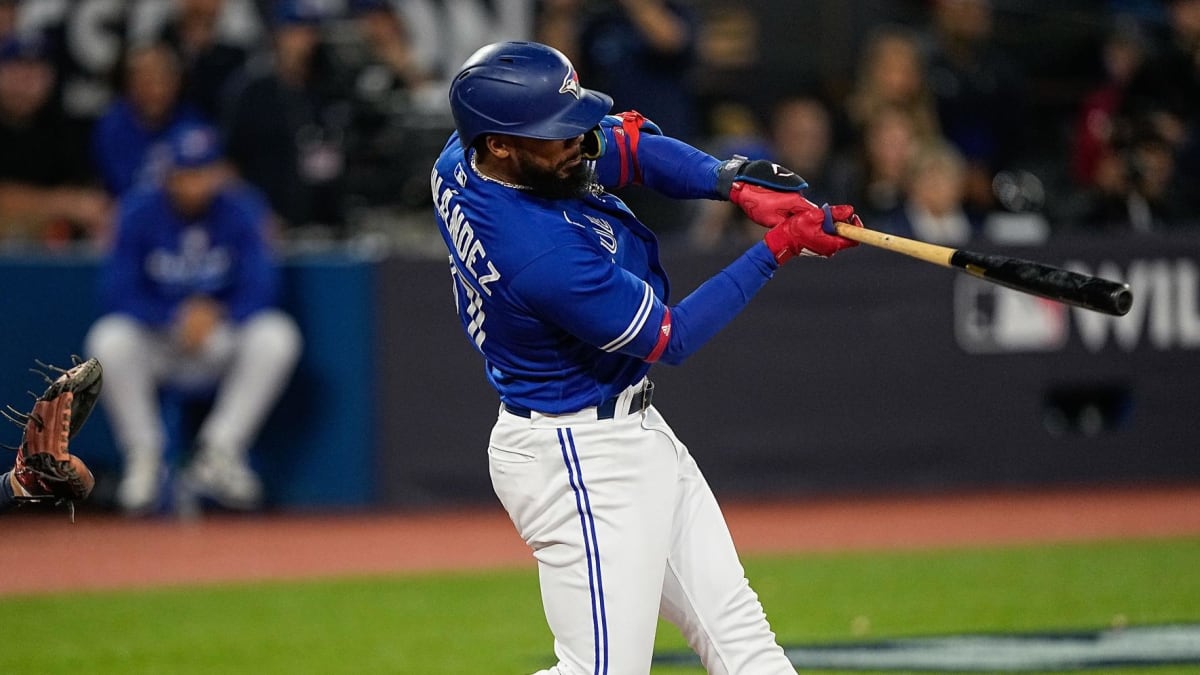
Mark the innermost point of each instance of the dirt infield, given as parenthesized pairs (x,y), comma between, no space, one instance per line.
(106,552)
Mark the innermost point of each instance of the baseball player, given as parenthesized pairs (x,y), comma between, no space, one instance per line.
(189,294)
(560,288)
(44,470)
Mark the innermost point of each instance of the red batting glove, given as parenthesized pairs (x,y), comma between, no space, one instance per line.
(805,233)
(766,206)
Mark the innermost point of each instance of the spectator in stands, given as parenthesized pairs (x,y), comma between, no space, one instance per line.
(891,73)
(873,173)
(556,23)
(189,295)
(129,141)
(1145,194)
(388,39)
(802,138)
(8,19)
(1165,93)
(47,192)
(1094,160)
(285,123)
(387,160)
(640,52)
(981,99)
(208,59)
(445,34)
(933,208)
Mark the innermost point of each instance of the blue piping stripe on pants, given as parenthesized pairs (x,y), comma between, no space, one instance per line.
(591,548)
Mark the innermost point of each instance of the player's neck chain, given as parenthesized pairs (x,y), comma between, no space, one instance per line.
(486,177)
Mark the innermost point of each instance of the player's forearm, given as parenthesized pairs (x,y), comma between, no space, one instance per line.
(704,312)
(678,170)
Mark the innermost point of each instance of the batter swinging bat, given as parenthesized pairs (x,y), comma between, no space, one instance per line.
(1072,288)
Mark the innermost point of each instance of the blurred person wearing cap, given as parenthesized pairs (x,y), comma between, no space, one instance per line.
(189,296)
(285,120)
(129,142)
(47,190)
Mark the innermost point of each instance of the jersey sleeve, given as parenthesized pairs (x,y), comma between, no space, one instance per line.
(592,299)
(606,306)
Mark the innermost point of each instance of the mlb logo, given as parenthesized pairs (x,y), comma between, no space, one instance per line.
(991,319)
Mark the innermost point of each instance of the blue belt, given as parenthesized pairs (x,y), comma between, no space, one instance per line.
(605,411)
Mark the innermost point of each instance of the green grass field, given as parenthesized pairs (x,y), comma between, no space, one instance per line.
(465,624)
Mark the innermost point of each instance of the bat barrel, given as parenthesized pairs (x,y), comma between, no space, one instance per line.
(1026,276)
(1072,288)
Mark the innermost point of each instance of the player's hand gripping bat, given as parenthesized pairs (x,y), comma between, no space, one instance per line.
(1072,288)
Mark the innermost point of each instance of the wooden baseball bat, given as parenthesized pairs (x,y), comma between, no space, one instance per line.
(1027,276)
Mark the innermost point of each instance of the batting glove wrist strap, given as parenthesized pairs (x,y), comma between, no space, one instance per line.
(805,233)
(767,192)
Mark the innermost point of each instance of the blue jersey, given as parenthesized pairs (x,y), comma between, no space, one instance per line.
(160,258)
(566,298)
(127,154)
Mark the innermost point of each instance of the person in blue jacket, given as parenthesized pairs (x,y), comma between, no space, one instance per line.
(189,295)
(559,287)
(129,141)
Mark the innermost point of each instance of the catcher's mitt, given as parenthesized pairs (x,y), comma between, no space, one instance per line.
(45,470)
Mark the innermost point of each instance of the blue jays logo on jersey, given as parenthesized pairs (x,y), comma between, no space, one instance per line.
(604,230)
(601,227)
(195,263)
(570,84)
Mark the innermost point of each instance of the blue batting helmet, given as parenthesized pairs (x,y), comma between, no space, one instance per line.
(523,89)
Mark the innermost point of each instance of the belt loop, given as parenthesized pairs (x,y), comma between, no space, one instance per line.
(647,394)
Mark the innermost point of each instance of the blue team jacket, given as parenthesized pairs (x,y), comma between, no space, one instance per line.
(160,258)
(128,154)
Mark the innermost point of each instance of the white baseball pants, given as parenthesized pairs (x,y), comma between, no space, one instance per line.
(624,527)
(248,363)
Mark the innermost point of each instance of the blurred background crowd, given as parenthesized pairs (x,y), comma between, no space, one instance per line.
(948,120)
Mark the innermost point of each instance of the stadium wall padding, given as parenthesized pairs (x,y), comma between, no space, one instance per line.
(867,372)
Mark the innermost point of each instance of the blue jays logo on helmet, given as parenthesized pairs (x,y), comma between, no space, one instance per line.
(570,83)
(519,88)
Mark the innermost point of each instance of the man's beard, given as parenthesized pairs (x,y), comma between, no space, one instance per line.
(548,184)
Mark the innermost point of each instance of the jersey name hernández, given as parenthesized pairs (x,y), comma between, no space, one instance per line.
(564,298)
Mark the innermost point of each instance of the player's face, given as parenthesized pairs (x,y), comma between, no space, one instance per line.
(553,169)
(193,189)
(153,83)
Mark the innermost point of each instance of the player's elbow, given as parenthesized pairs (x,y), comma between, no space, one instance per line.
(674,355)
